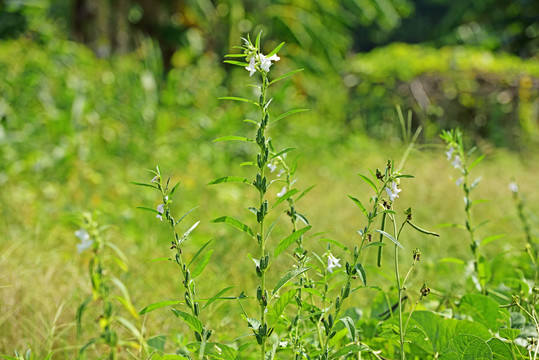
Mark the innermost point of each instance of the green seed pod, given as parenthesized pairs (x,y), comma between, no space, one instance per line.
(196,309)
(188,299)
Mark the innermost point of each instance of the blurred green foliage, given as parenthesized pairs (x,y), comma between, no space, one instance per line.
(491,96)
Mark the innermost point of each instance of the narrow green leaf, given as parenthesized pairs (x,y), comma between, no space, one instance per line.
(349,324)
(129,326)
(359,204)
(362,274)
(285,75)
(492,238)
(149,209)
(369,181)
(289,240)
(286,278)
(284,151)
(199,252)
(235,98)
(217,296)
(190,320)
(272,226)
(143,184)
(288,113)
(304,192)
(174,188)
(422,230)
(237,63)
(285,196)
(257,41)
(235,55)
(202,264)
(186,234)
(157,305)
(232,138)
(236,223)
(336,243)
(476,162)
(184,215)
(377,243)
(226,179)
(276,50)
(389,237)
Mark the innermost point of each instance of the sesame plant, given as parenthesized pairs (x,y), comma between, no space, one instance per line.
(201,348)
(111,294)
(269,302)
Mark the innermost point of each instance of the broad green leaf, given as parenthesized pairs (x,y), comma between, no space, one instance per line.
(289,240)
(349,349)
(190,320)
(369,181)
(157,305)
(500,350)
(288,113)
(199,252)
(282,302)
(157,342)
(509,334)
(236,223)
(362,274)
(169,357)
(285,75)
(202,264)
(285,196)
(287,277)
(389,237)
(217,296)
(359,204)
(232,138)
(483,310)
(467,347)
(226,179)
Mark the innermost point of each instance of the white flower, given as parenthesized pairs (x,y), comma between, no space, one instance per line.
(513,187)
(449,153)
(457,164)
(265,62)
(459,181)
(393,192)
(251,67)
(280,173)
(272,167)
(160,210)
(333,262)
(155,179)
(283,191)
(85,241)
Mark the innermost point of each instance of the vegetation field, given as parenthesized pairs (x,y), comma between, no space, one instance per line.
(338,205)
